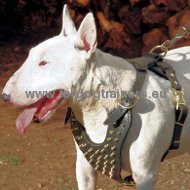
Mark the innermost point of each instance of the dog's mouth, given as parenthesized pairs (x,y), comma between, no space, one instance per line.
(38,111)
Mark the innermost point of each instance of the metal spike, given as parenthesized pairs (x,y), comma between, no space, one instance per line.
(102,150)
(75,129)
(112,154)
(111,132)
(90,161)
(112,168)
(106,145)
(90,150)
(82,145)
(109,139)
(97,163)
(104,170)
(85,153)
(111,175)
(73,119)
(97,167)
(78,138)
(99,158)
(116,140)
(119,132)
(92,156)
(113,148)
(112,162)
(105,157)
(97,151)
(105,163)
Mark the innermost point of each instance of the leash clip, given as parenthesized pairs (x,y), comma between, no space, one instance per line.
(184,32)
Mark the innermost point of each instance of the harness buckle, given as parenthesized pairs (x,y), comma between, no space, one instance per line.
(179,97)
(174,145)
(129,102)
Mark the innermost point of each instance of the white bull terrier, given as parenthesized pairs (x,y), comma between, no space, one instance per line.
(71,62)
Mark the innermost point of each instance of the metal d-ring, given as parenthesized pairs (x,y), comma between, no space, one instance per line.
(135,100)
(162,48)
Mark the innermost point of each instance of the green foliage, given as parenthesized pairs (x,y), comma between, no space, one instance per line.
(14,161)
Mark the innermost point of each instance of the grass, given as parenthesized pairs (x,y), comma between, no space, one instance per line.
(10,160)
(66,185)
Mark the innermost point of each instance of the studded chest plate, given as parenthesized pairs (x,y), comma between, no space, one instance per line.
(106,156)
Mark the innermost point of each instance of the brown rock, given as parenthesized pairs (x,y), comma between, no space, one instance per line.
(102,36)
(116,5)
(108,25)
(133,2)
(154,15)
(153,38)
(122,44)
(160,2)
(174,26)
(36,21)
(121,24)
(21,3)
(131,18)
(78,19)
(175,22)
(176,5)
(83,2)
(105,8)
(104,22)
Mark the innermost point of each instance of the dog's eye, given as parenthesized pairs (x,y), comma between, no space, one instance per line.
(42,63)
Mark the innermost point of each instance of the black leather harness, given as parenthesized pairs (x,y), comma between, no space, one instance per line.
(106,156)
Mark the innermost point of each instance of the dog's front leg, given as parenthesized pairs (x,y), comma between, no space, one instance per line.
(145,162)
(145,171)
(84,172)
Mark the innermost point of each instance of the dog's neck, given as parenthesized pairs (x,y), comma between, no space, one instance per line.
(104,73)
(107,73)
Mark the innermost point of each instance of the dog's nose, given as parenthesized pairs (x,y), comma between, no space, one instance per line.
(6,97)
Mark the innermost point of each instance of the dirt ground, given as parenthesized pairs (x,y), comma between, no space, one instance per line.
(44,158)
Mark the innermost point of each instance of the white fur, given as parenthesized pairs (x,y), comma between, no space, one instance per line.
(74,65)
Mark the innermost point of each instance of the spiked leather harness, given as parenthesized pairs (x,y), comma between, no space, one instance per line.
(106,156)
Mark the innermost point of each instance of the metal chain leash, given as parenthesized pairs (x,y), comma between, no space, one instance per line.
(184,32)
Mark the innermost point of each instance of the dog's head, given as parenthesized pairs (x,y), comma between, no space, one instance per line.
(52,67)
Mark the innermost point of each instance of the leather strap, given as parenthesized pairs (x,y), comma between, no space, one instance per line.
(181,115)
(181,110)
(106,156)
(141,65)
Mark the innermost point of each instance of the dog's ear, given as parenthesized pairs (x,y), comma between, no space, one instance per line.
(68,26)
(86,37)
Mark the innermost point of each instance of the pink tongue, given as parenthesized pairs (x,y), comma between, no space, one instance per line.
(25,118)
